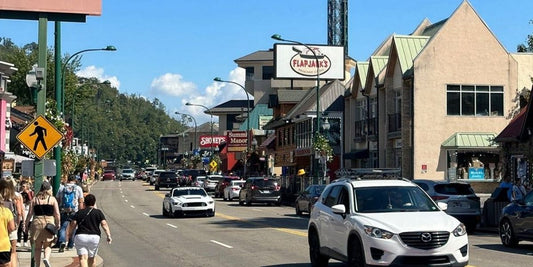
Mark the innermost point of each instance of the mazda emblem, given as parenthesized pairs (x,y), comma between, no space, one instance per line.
(425,237)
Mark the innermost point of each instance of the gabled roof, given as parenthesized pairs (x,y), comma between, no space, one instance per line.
(232,106)
(329,93)
(361,71)
(407,48)
(376,66)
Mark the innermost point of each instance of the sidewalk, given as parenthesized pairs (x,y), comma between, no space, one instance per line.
(67,258)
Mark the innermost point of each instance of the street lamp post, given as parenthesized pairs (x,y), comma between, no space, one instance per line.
(211,114)
(218,79)
(60,105)
(317,130)
(195,127)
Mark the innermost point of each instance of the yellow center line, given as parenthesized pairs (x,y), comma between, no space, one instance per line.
(284,230)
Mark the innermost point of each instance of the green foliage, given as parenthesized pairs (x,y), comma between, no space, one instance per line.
(121,127)
(321,145)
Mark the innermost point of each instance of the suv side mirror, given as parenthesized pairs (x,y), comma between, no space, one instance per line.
(167,195)
(338,209)
(443,206)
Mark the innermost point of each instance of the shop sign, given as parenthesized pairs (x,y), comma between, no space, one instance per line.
(207,141)
(237,140)
(476,173)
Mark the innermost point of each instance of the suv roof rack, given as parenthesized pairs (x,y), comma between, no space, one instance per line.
(369,174)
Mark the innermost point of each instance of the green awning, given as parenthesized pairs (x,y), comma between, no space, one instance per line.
(470,140)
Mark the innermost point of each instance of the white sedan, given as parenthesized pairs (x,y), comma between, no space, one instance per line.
(188,201)
(232,189)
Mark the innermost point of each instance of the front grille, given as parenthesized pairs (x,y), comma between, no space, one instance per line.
(195,204)
(425,240)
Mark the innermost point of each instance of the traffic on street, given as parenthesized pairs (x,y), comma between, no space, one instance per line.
(257,235)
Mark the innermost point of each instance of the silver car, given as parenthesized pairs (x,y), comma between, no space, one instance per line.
(127,174)
(463,203)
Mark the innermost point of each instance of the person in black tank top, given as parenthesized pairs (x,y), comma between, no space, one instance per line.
(44,209)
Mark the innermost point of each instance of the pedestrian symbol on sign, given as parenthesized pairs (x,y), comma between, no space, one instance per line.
(41,133)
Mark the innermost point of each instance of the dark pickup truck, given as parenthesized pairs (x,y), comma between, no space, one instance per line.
(167,179)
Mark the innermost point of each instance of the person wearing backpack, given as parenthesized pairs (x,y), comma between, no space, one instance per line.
(70,198)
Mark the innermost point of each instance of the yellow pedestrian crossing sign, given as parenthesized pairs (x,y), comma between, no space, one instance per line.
(40,136)
(213,164)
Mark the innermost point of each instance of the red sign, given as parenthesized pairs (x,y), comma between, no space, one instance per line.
(206,141)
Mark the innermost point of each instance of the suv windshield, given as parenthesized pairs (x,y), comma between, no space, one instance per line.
(127,171)
(454,189)
(392,199)
(180,192)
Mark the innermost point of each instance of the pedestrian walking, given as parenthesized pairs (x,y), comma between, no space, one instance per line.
(7,225)
(70,198)
(44,209)
(27,195)
(518,190)
(87,237)
(12,201)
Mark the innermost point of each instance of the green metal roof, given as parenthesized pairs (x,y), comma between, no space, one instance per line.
(470,140)
(378,63)
(362,70)
(259,110)
(407,48)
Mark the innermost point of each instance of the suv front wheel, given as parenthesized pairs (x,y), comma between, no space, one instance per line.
(317,259)
(356,255)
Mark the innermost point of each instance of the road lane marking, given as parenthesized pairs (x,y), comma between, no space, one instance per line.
(146,214)
(257,210)
(132,206)
(125,200)
(222,244)
(284,230)
(171,225)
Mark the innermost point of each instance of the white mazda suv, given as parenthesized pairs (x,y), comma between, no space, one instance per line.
(384,222)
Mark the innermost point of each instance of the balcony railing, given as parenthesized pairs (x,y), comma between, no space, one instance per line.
(372,126)
(395,122)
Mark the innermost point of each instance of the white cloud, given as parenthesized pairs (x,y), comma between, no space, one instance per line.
(93,71)
(172,85)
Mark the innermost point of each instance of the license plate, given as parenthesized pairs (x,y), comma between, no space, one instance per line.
(265,191)
(463,205)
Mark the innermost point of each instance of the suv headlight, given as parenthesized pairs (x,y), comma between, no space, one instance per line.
(176,203)
(377,232)
(460,230)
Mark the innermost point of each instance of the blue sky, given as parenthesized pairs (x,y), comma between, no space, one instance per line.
(172,49)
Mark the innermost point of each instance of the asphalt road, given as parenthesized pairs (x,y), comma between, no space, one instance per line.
(259,235)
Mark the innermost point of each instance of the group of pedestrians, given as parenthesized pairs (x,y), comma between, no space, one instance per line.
(24,217)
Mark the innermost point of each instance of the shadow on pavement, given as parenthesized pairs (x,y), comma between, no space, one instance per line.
(522,249)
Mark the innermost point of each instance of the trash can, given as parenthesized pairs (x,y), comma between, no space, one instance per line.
(492,209)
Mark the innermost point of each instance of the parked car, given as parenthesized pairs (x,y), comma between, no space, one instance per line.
(260,190)
(233,189)
(516,222)
(127,174)
(199,181)
(108,175)
(462,201)
(386,223)
(211,182)
(219,188)
(149,171)
(166,179)
(140,174)
(307,198)
(154,176)
(188,201)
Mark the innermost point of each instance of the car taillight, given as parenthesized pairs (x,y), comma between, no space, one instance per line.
(253,187)
(437,198)
(277,188)
(235,188)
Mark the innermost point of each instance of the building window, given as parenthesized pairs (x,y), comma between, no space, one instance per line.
(249,73)
(474,100)
(268,72)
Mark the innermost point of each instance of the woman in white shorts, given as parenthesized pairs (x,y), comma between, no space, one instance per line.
(87,238)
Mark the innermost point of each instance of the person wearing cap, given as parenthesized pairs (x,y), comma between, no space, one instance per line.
(44,209)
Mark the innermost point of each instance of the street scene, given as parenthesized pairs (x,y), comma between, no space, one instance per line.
(266,133)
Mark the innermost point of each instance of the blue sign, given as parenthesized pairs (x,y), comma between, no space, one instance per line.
(476,173)
(205,160)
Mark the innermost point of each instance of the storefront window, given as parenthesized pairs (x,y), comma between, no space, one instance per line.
(475,165)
